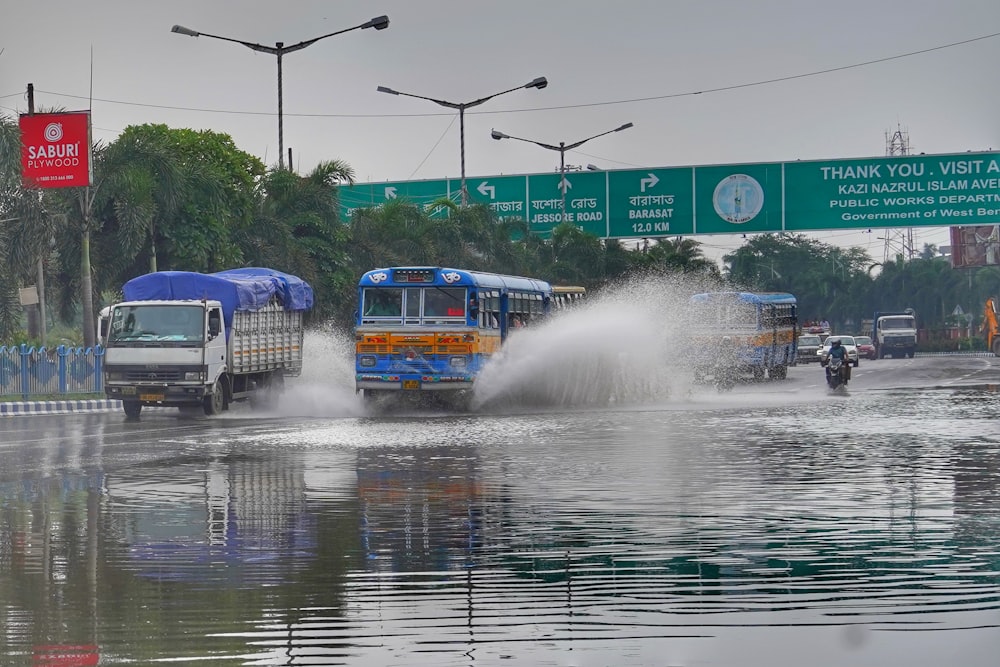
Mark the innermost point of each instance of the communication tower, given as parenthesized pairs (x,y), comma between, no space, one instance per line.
(898,242)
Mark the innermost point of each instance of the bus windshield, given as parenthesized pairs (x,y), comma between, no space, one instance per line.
(431,304)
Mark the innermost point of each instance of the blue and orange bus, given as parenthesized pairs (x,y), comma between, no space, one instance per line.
(761,328)
(427,332)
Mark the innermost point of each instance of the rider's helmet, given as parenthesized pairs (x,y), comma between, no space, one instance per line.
(835,343)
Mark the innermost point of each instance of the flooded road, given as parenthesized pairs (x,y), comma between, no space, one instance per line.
(774,525)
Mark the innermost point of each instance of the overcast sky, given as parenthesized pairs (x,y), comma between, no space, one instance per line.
(607,63)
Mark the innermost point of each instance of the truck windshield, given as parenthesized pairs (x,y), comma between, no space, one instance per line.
(160,323)
(897,323)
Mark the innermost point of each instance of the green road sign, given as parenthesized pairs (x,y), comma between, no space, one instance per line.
(906,191)
(901,191)
(586,197)
(506,195)
(739,198)
(650,202)
(420,193)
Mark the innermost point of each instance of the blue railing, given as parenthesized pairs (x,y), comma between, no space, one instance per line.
(29,371)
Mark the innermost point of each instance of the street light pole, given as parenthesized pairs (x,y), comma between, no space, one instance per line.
(538,83)
(279,49)
(562,148)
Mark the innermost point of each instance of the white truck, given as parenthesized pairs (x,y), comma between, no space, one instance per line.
(185,339)
(895,333)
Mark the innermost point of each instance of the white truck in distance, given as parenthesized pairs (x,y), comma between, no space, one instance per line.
(895,334)
(185,339)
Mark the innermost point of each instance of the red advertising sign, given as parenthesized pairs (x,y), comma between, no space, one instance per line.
(55,149)
(66,655)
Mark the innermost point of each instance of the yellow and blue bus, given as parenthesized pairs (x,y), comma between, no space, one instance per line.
(759,328)
(426,332)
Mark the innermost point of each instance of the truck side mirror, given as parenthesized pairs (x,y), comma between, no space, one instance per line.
(214,325)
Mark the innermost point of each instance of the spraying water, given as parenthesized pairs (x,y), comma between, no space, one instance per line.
(626,346)
(623,347)
(326,386)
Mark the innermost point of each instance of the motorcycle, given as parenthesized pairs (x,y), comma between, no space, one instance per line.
(836,374)
(724,377)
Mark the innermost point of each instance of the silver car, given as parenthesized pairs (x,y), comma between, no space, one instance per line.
(847,342)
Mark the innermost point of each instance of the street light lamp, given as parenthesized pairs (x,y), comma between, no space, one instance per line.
(538,83)
(279,49)
(562,148)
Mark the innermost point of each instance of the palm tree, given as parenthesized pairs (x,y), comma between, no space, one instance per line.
(25,229)
(296,227)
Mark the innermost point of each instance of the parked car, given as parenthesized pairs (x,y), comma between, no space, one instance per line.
(866,349)
(846,341)
(807,347)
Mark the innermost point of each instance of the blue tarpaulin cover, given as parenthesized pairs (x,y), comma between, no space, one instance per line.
(236,289)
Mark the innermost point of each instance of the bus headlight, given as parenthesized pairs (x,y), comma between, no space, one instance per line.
(367,361)
(458,362)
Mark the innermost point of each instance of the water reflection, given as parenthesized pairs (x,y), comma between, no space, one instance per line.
(748,536)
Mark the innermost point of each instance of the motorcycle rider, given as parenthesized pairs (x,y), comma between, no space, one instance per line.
(725,362)
(838,351)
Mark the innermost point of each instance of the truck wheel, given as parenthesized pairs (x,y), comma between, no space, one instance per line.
(910,354)
(267,396)
(132,409)
(215,402)
(996,348)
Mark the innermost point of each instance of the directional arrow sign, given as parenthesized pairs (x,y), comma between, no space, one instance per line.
(634,211)
(586,206)
(487,190)
(506,195)
(421,193)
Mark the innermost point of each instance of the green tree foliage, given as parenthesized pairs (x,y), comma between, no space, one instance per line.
(297,229)
(26,227)
(828,281)
(677,255)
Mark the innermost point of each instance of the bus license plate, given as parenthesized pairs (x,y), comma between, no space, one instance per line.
(150,397)
(411,384)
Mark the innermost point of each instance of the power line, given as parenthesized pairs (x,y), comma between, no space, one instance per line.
(634,100)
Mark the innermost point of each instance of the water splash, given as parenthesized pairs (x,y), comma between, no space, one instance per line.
(622,347)
(326,386)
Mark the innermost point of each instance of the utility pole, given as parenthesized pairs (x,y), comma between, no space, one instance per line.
(40,277)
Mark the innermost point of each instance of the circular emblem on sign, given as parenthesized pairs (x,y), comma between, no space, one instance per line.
(53,132)
(738,198)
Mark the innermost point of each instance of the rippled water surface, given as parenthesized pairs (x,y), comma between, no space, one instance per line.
(694,532)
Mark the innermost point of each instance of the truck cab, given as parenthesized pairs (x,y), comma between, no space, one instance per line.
(165,353)
(895,334)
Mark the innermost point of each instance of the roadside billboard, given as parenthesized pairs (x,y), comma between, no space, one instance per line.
(55,149)
(975,245)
